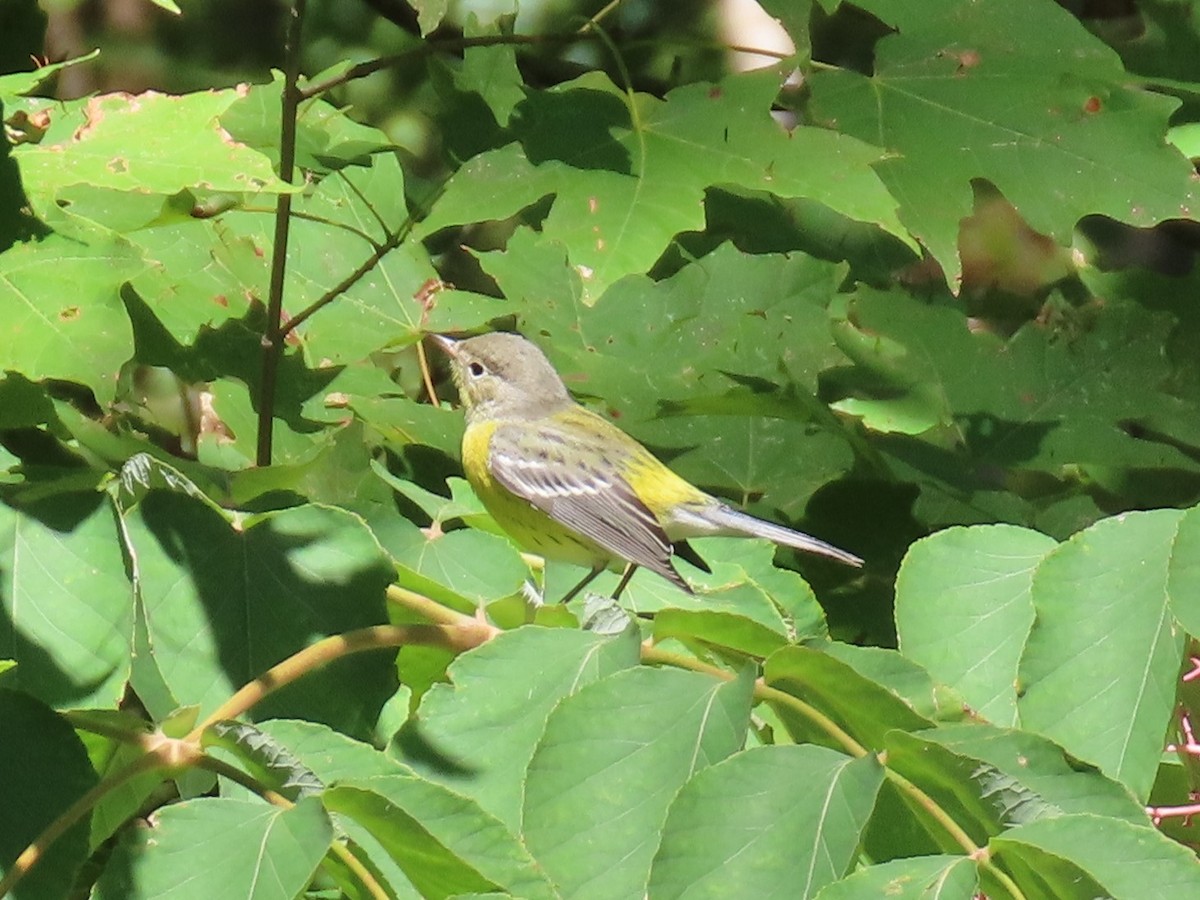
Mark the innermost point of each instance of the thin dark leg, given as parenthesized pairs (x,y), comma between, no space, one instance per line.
(629,570)
(587,579)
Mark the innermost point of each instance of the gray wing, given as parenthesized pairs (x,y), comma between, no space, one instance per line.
(592,498)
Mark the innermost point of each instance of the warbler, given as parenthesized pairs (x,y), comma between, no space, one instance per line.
(568,484)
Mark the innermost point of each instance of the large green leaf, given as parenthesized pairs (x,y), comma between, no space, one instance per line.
(1040,767)
(443,841)
(964,609)
(66,603)
(1099,670)
(1130,862)
(723,837)
(153,143)
(629,173)
(1019,94)
(608,768)
(224,604)
(215,847)
(63,312)
(854,700)
(478,733)
(916,878)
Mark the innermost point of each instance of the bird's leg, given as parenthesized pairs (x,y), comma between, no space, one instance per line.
(587,579)
(629,570)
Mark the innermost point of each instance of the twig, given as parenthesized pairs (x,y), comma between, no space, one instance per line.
(272,340)
(457,637)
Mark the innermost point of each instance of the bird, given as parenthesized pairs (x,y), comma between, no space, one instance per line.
(569,485)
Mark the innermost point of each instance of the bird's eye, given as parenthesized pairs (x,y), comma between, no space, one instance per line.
(476,369)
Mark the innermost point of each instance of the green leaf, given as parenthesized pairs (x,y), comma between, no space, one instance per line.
(724,837)
(607,771)
(443,841)
(628,174)
(1129,862)
(152,143)
(64,314)
(67,604)
(340,226)
(1089,143)
(471,564)
(270,762)
(200,274)
(720,629)
(1040,766)
(477,734)
(222,605)
(916,878)
(964,608)
(900,675)
(744,582)
(328,754)
(46,769)
(111,758)
(669,363)
(327,138)
(25,82)
(490,72)
(215,847)
(1098,673)
(1183,575)
(866,709)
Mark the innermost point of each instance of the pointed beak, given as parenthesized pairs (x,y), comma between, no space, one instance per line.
(449,346)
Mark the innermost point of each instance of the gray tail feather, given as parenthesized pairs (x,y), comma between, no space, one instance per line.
(731,521)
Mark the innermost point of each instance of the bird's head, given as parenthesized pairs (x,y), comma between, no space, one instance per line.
(503,375)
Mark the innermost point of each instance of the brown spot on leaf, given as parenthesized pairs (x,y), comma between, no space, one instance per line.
(430,289)
(1092,105)
(117,165)
(69,314)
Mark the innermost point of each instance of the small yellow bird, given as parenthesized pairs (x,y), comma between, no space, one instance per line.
(568,484)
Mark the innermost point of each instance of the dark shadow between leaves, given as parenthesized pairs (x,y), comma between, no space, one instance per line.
(555,125)
(411,745)
(261,606)
(231,350)
(38,673)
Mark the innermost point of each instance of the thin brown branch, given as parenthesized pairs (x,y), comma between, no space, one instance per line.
(320,220)
(457,638)
(342,286)
(272,340)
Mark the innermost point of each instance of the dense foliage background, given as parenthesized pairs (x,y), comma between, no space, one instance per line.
(916,278)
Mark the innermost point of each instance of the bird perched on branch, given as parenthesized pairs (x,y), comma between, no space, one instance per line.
(568,484)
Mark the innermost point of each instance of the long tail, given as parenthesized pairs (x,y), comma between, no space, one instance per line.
(729,521)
